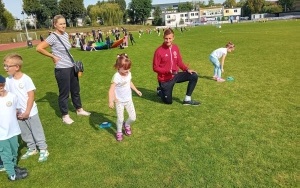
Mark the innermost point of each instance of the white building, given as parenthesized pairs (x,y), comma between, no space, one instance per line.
(181,18)
(211,15)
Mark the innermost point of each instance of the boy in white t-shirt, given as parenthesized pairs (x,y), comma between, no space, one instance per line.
(9,131)
(32,131)
(214,57)
(121,97)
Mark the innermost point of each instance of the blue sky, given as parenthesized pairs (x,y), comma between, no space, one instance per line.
(15,6)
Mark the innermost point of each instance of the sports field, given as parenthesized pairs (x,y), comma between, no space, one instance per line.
(245,133)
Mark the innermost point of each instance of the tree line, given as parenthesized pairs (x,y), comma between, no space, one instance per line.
(114,12)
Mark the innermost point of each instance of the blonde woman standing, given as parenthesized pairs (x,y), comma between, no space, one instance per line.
(67,79)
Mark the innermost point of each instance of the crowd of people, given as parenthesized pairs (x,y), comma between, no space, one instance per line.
(20,114)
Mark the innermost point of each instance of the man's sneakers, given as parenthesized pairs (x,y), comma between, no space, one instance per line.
(158,91)
(43,155)
(29,153)
(191,102)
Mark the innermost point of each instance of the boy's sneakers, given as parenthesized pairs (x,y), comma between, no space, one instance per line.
(215,77)
(191,102)
(29,153)
(18,176)
(119,136)
(43,155)
(67,120)
(20,170)
(2,168)
(83,113)
(127,129)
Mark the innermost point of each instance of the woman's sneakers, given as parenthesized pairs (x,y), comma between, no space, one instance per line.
(67,120)
(81,112)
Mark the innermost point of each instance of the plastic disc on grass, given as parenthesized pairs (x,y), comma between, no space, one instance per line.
(230,79)
(104,125)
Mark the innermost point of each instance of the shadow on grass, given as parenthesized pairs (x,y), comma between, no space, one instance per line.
(52,98)
(151,95)
(206,77)
(97,118)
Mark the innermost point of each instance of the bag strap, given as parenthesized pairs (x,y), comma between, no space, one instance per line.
(70,56)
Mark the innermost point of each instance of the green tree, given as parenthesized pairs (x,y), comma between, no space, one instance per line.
(48,9)
(199,4)
(110,13)
(211,3)
(71,10)
(157,16)
(8,20)
(32,7)
(140,10)
(241,3)
(185,7)
(121,3)
(287,5)
(2,9)
(254,6)
(94,12)
(271,8)
(229,3)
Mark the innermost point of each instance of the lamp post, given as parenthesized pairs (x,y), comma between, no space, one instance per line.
(27,37)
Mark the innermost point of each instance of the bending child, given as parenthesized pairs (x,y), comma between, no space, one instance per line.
(120,95)
(214,59)
(32,131)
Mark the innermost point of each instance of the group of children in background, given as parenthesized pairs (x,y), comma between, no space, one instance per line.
(19,115)
(87,41)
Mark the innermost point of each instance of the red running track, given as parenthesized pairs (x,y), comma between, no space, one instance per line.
(10,46)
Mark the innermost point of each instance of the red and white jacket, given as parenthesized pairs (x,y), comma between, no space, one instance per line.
(167,60)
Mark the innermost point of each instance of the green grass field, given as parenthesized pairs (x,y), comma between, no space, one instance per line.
(245,133)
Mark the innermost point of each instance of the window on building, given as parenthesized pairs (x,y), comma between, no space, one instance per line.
(196,14)
(168,16)
(181,15)
(235,10)
(186,20)
(192,14)
(168,22)
(227,11)
(185,15)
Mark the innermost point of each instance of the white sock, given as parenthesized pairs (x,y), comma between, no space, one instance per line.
(187,98)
